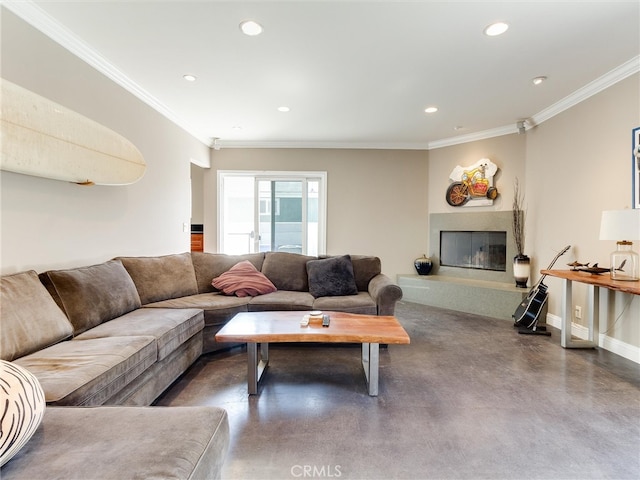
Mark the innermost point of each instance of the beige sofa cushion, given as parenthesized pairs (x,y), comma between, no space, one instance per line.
(92,295)
(204,301)
(281,300)
(218,308)
(287,271)
(170,327)
(211,265)
(361,303)
(88,372)
(364,269)
(163,277)
(29,318)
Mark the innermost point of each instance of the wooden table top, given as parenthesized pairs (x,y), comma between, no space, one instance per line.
(273,327)
(603,280)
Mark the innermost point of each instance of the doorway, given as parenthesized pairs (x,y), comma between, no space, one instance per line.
(272,212)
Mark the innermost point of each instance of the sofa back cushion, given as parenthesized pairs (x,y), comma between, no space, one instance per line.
(29,319)
(162,278)
(364,269)
(92,295)
(211,265)
(287,271)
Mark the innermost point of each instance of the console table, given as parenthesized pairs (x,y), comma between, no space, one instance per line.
(595,282)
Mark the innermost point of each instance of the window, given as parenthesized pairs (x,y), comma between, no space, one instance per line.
(272,211)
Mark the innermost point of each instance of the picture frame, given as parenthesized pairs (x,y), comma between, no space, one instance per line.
(635,166)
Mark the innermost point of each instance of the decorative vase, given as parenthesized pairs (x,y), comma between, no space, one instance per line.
(423,265)
(521,269)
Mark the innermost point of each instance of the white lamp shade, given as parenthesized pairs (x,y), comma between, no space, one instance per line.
(620,225)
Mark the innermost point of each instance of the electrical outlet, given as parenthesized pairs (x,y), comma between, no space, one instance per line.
(578,312)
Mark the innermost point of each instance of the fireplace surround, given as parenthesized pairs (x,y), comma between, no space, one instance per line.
(472,221)
(481,292)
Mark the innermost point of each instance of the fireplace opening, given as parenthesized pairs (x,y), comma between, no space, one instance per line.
(480,250)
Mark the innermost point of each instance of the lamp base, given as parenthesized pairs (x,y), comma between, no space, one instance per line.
(625,263)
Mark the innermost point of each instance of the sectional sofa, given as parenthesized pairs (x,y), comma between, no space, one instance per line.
(119,333)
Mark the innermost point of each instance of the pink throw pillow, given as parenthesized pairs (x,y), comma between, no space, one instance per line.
(243,280)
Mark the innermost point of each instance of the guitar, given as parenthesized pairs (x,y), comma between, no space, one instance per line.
(527,313)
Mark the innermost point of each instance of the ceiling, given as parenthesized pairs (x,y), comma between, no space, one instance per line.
(355,74)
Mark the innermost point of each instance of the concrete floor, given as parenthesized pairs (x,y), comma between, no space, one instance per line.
(468,399)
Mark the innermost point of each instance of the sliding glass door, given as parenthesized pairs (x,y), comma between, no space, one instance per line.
(272,212)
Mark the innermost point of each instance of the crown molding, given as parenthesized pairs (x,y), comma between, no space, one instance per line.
(602,83)
(39,19)
(221,144)
(607,80)
(473,137)
(43,22)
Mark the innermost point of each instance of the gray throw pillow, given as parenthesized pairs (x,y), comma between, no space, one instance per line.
(331,277)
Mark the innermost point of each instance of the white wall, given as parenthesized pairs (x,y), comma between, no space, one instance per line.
(579,164)
(376,199)
(197,194)
(51,224)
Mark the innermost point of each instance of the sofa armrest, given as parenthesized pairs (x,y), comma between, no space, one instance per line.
(385,293)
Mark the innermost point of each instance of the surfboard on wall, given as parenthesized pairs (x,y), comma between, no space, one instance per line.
(44,139)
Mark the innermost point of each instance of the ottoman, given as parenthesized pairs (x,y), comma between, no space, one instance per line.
(124,443)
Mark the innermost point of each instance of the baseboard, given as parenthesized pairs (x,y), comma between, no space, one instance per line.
(605,342)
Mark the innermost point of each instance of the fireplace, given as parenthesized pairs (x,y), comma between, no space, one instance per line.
(477,245)
(483,250)
(463,280)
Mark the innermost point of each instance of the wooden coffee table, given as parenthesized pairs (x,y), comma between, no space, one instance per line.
(262,328)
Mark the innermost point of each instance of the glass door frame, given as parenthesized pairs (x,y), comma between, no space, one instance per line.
(259,175)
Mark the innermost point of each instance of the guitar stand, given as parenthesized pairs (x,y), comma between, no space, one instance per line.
(535,330)
(528,312)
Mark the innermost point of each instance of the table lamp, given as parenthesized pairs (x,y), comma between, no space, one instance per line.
(622,226)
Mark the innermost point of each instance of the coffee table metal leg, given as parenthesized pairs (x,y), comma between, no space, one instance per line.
(370,363)
(256,365)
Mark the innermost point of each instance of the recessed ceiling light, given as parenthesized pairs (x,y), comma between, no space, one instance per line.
(539,80)
(189,78)
(458,127)
(284,109)
(251,28)
(497,28)
(236,127)
(431,109)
